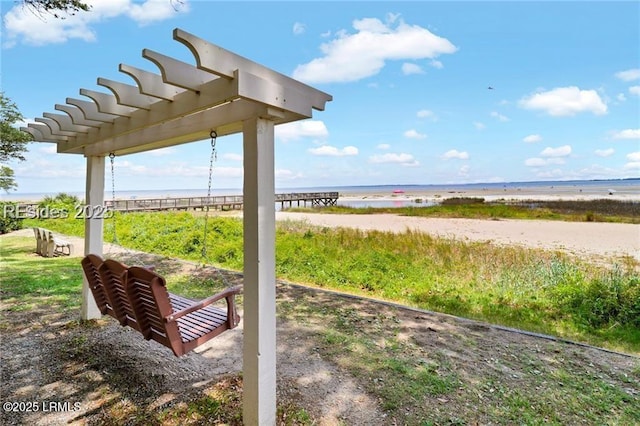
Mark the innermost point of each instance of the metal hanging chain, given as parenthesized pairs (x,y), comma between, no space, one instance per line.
(112,156)
(213,158)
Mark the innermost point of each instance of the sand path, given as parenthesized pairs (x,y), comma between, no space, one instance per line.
(579,238)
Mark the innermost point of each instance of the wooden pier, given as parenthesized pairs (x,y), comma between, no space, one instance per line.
(220,202)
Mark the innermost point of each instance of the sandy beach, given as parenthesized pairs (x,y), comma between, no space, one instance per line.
(574,192)
(591,239)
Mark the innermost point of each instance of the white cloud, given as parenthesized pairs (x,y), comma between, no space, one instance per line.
(225,172)
(29,27)
(285,174)
(540,162)
(550,156)
(621,97)
(532,139)
(479,126)
(436,64)
(176,170)
(409,68)
(634,156)
(556,174)
(464,170)
(561,151)
(160,152)
(298,28)
(627,134)
(354,56)
(565,101)
(44,169)
(301,129)
(499,116)
(605,152)
(49,148)
(383,146)
(632,165)
(332,151)
(403,159)
(232,156)
(425,113)
(152,11)
(414,134)
(535,162)
(629,75)
(455,154)
(634,90)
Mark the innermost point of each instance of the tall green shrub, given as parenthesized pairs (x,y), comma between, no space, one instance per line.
(61,201)
(10,220)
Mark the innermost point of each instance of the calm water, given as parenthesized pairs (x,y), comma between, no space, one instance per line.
(590,187)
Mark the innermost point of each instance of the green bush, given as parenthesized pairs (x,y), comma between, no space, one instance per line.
(62,202)
(612,299)
(458,201)
(9,219)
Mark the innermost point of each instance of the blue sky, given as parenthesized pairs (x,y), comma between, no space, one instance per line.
(410,85)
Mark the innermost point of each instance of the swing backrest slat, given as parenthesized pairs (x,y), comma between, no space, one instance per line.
(90,264)
(150,299)
(114,278)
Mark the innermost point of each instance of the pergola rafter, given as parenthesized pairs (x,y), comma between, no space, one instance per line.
(103,123)
(225,93)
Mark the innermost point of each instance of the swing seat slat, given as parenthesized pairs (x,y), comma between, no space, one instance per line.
(137,297)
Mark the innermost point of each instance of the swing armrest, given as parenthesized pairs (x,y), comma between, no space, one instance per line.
(228,294)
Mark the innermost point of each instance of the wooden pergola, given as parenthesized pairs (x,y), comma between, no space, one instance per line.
(225,93)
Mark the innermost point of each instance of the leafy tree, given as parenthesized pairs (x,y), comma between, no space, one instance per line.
(7,181)
(13,142)
(54,7)
(70,7)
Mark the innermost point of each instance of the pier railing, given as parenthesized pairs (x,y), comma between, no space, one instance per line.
(219,202)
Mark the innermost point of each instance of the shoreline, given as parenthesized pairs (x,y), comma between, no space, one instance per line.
(622,189)
(424,195)
(552,193)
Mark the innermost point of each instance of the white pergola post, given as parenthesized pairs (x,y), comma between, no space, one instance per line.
(259,353)
(93,229)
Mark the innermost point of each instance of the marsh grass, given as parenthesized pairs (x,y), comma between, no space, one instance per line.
(476,208)
(530,289)
(535,290)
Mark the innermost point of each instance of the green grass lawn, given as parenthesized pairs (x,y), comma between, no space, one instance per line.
(27,279)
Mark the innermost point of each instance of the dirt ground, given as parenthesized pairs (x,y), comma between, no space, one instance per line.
(49,357)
